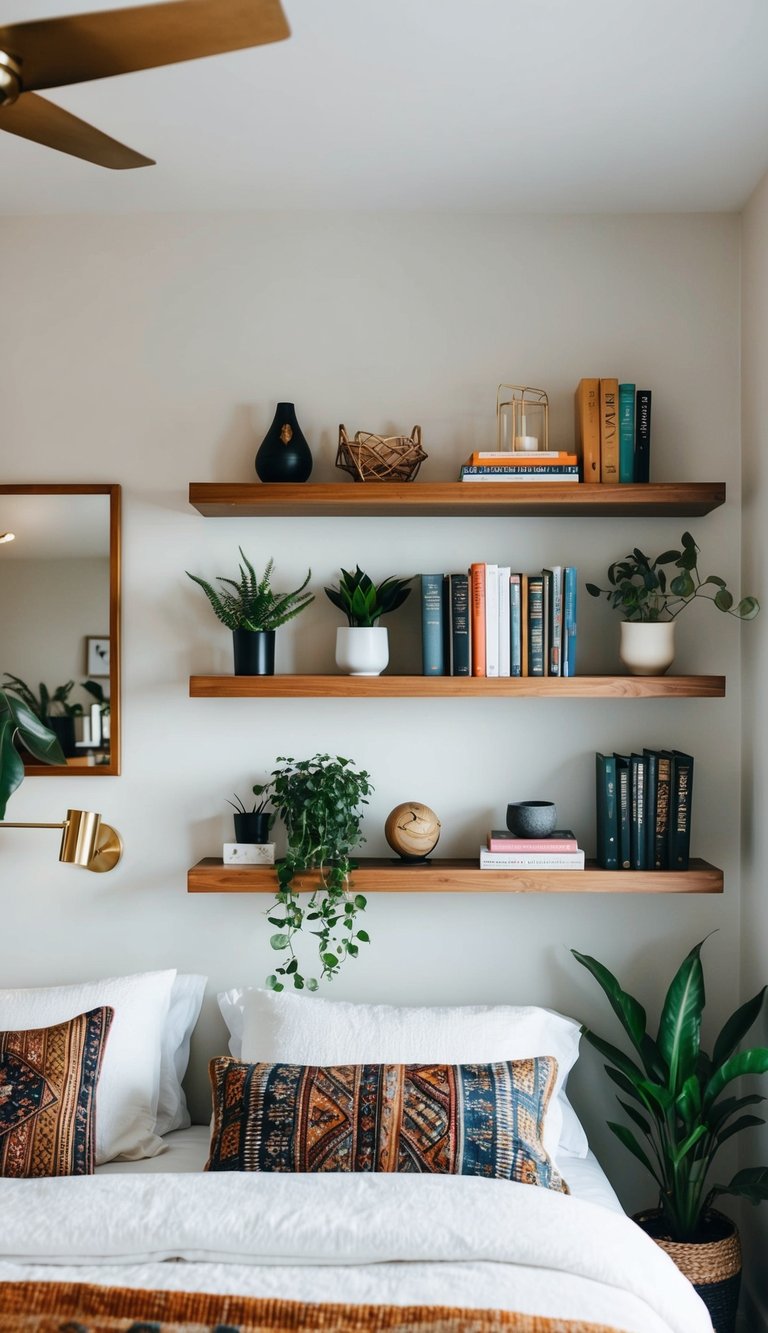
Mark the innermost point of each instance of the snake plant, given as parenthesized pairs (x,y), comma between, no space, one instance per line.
(250,602)
(362,601)
(674,1090)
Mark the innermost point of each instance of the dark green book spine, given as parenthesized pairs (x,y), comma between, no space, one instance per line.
(626,432)
(623,815)
(433,627)
(651,792)
(643,435)
(680,810)
(459,622)
(637,776)
(606,805)
(535,625)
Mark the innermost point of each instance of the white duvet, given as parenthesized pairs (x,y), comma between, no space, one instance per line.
(447,1240)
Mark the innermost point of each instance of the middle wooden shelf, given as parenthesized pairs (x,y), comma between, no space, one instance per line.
(460,687)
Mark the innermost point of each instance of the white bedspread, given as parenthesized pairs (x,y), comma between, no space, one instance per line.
(390,1239)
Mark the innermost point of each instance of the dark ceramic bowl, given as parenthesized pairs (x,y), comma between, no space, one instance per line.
(531,819)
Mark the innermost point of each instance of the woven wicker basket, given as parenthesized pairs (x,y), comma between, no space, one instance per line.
(380,457)
(713,1266)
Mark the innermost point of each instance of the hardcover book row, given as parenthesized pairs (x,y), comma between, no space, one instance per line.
(644,804)
(493,621)
(613,431)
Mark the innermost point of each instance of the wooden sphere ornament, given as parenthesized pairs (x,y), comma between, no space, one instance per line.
(412,830)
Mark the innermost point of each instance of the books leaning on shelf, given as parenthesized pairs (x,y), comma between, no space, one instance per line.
(613,431)
(493,621)
(520,467)
(644,805)
(531,860)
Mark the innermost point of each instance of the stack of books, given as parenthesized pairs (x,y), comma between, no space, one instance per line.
(558,851)
(520,466)
(613,431)
(644,806)
(492,621)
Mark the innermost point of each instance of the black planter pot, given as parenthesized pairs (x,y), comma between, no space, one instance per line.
(284,454)
(254,652)
(253,826)
(63,727)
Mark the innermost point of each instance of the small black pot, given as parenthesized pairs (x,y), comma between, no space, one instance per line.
(253,826)
(254,652)
(63,727)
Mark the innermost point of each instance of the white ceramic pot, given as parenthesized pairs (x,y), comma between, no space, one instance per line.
(362,650)
(647,648)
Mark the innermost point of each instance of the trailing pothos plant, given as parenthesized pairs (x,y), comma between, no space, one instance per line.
(19,723)
(642,591)
(675,1092)
(320,801)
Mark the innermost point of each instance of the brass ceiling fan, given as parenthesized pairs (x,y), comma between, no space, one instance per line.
(49,53)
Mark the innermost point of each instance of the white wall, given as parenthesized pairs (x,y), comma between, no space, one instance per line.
(47,609)
(151,352)
(755,709)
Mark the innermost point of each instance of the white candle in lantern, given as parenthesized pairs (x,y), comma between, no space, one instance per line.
(523,442)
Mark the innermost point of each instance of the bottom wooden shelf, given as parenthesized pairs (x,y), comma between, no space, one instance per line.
(383,875)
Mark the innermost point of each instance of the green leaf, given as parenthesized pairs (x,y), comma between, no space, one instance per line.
(616,1057)
(751,1183)
(683,585)
(628,1010)
(279,941)
(312,983)
(754,1061)
(723,599)
(676,1155)
(363,935)
(743,1122)
(360,902)
(635,1115)
(329,959)
(629,1141)
(748,608)
(680,1023)
(737,1027)
(729,1106)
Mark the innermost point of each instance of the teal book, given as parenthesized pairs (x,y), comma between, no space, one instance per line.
(623,809)
(433,625)
(626,432)
(515,627)
(681,802)
(607,812)
(458,585)
(569,621)
(637,840)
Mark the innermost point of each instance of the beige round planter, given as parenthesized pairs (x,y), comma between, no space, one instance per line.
(361,650)
(647,648)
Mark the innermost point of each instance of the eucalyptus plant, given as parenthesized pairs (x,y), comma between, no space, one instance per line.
(675,1093)
(19,724)
(250,602)
(320,801)
(362,601)
(641,589)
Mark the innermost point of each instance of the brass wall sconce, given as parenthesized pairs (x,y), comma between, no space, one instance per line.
(85,841)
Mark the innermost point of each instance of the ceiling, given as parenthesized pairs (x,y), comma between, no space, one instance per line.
(476,105)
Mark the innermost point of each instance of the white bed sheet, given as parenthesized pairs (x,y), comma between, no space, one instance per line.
(424,1240)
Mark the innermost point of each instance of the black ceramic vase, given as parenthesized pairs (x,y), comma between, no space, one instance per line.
(284,454)
(254,651)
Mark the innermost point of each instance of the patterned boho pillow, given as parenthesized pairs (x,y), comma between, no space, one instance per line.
(471,1120)
(48,1080)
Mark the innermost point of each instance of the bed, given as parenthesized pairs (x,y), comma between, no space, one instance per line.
(158,1243)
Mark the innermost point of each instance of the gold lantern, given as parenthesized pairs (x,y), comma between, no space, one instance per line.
(522,419)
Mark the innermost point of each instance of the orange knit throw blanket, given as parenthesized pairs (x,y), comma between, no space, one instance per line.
(63,1307)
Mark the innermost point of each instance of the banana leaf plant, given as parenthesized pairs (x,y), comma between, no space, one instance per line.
(673,1093)
(19,723)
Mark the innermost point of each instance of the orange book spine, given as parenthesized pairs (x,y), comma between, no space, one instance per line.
(524,624)
(523,460)
(588,429)
(477,585)
(609,430)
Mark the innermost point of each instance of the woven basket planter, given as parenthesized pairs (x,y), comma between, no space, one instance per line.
(713,1266)
(371,457)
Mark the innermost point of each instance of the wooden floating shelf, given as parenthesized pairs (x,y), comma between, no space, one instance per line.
(458,687)
(443,499)
(380,875)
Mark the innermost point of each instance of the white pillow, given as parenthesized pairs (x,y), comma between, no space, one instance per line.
(186,999)
(127,1091)
(265,1026)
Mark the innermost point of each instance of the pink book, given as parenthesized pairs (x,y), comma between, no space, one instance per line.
(562,840)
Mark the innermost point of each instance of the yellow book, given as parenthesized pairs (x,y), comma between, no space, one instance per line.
(609,430)
(588,428)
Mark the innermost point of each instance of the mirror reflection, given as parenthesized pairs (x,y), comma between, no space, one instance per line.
(60,617)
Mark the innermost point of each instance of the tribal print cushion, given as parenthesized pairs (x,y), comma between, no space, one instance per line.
(48,1080)
(471,1120)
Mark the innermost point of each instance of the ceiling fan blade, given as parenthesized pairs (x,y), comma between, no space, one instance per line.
(74,49)
(35,118)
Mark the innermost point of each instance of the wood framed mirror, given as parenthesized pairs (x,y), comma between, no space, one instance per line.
(60,618)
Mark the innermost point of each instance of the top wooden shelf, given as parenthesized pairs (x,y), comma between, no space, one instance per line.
(443,499)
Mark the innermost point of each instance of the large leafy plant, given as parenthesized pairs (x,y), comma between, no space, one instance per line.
(19,724)
(320,801)
(48,703)
(675,1093)
(250,602)
(362,601)
(641,589)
